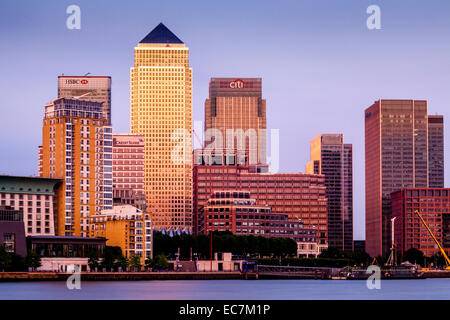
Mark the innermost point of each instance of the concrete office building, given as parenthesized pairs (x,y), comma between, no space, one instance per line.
(37,200)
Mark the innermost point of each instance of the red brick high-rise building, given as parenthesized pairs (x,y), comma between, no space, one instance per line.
(297,195)
(434,206)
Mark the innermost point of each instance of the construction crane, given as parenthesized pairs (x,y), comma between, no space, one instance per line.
(447,260)
(198,139)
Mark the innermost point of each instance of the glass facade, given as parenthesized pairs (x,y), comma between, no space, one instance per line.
(397,157)
(436,151)
(334,159)
(235,109)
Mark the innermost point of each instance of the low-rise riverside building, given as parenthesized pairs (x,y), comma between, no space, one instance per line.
(223,261)
(127,227)
(64,253)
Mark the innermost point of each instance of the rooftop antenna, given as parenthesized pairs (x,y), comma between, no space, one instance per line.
(87,74)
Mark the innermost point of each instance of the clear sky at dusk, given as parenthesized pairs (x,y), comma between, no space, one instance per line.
(320,65)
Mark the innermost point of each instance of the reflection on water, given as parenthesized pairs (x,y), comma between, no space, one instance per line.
(229,289)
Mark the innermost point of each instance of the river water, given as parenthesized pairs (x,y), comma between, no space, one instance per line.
(419,289)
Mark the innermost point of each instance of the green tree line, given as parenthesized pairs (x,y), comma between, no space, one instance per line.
(222,242)
(10,261)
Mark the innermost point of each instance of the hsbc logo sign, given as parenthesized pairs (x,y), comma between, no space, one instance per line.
(237,84)
(76,81)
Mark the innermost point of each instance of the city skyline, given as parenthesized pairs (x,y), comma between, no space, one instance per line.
(279,93)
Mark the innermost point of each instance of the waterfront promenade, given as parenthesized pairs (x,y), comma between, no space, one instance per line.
(177,275)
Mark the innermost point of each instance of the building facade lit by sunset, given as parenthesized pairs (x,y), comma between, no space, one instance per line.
(89,88)
(37,200)
(333,158)
(434,206)
(236,111)
(128,162)
(239,213)
(126,227)
(300,196)
(77,147)
(397,154)
(161,111)
(436,151)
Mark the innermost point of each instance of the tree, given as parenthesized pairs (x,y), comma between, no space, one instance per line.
(18,262)
(149,263)
(161,262)
(5,259)
(361,257)
(414,255)
(33,260)
(110,257)
(333,253)
(93,261)
(122,262)
(135,261)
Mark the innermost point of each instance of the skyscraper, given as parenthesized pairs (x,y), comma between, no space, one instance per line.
(436,151)
(235,106)
(397,156)
(77,147)
(334,159)
(161,111)
(90,88)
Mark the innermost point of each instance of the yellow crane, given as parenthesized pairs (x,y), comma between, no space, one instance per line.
(447,260)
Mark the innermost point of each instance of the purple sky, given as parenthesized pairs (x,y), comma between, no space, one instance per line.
(321,66)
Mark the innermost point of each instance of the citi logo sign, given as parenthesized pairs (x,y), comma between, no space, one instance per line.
(76,81)
(237,84)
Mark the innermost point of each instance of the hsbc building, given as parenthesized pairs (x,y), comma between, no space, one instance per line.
(91,88)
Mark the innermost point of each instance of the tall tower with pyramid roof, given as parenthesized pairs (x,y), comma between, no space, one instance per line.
(161,111)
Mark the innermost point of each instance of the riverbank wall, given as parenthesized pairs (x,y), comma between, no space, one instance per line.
(137,276)
(123,276)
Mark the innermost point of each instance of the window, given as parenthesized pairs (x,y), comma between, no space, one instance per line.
(9,242)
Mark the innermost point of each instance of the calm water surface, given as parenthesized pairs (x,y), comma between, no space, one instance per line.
(229,289)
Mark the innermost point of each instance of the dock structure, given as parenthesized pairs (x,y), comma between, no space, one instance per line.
(295,272)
